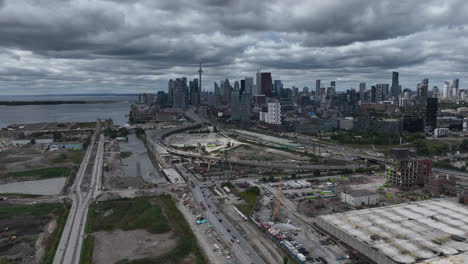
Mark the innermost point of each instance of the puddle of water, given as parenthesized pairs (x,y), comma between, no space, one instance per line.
(39,187)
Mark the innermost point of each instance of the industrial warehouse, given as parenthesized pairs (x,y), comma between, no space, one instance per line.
(433,231)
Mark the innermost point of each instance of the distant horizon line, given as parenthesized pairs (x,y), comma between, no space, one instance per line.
(80,94)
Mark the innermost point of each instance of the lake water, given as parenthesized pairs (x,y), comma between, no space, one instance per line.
(40,187)
(65,112)
(139,164)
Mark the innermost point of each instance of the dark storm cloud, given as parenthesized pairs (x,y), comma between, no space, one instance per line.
(139,44)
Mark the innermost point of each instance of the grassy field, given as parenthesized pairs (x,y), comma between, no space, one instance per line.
(74,156)
(128,214)
(54,239)
(151,214)
(60,211)
(249,197)
(45,173)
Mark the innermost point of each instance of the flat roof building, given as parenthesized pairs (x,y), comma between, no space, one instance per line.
(431,231)
(358,198)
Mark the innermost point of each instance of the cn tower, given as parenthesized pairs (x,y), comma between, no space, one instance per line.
(199,77)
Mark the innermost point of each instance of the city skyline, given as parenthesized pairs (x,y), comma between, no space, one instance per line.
(134,46)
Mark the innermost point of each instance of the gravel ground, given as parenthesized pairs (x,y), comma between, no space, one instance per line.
(110,247)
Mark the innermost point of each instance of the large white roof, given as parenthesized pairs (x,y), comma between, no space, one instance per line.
(410,233)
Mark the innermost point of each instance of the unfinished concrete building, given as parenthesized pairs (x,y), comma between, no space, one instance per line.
(406,171)
(431,231)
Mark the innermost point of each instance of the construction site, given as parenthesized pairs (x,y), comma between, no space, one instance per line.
(309,183)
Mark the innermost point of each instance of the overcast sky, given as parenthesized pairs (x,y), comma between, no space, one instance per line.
(126,46)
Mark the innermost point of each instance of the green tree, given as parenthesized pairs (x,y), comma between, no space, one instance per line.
(254,189)
(464,145)
(316,172)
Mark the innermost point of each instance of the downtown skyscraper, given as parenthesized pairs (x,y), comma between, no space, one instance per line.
(395,89)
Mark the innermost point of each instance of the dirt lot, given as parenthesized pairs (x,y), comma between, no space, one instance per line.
(33,157)
(29,232)
(318,207)
(128,230)
(245,152)
(131,245)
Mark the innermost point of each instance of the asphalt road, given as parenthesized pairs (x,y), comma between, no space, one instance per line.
(69,248)
(242,250)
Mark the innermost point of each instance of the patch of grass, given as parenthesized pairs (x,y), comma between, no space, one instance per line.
(128,214)
(10,260)
(74,156)
(54,238)
(86,256)
(312,156)
(44,173)
(428,147)
(250,198)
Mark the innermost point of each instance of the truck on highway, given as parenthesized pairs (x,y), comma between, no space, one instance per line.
(226,189)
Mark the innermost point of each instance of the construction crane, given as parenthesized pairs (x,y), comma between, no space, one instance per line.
(279,193)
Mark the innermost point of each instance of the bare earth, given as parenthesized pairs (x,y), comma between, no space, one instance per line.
(110,247)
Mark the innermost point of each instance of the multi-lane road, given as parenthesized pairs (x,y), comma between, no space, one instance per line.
(242,250)
(69,248)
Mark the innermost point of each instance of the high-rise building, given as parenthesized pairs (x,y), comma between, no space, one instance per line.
(295,91)
(454,91)
(305,90)
(242,86)
(373,94)
(217,89)
(333,83)
(249,85)
(258,84)
(381,92)
(278,87)
(396,88)
(170,91)
(446,91)
(180,93)
(423,90)
(235,103)
(194,92)
(273,115)
(362,92)
(435,91)
(431,114)
(317,87)
(245,107)
(226,89)
(266,84)
(200,71)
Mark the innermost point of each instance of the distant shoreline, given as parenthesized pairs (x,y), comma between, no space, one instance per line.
(54,102)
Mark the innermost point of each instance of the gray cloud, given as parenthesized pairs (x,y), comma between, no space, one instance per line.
(136,45)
